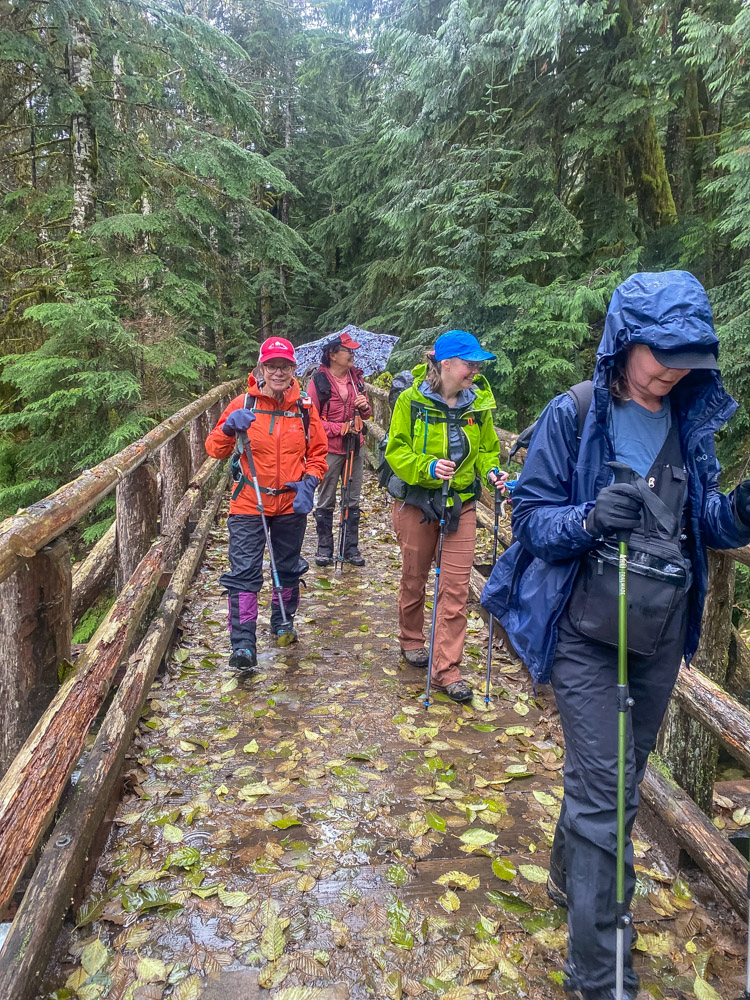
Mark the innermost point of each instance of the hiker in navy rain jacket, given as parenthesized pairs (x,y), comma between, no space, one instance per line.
(538,589)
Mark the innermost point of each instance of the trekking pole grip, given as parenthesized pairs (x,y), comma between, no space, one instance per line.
(623,474)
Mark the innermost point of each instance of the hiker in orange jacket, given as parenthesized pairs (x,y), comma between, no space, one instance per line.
(289,446)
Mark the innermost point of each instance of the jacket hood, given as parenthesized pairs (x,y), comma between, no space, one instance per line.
(483,399)
(666,310)
(290,396)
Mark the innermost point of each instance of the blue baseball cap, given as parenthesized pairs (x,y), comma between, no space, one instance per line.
(460,344)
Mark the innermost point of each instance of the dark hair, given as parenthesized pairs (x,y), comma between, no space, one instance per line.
(328,350)
(618,379)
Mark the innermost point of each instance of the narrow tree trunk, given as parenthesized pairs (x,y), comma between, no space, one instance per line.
(688,750)
(82,136)
(646,161)
(198,434)
(119,97)
(35,633)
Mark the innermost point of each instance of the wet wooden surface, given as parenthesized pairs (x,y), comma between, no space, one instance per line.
(313,832)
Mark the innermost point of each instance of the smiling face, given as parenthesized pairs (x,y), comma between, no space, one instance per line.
(647,379)
(458,374)
(278,374)
(342,360)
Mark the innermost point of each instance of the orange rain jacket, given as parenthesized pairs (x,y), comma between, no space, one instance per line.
(277,439)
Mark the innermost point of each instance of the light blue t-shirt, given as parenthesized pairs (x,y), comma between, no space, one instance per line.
(638,434)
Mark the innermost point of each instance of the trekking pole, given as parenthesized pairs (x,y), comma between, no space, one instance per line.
(444,497)
(244,445)
(498,509)
(623,474)
(344,515)
(741,841)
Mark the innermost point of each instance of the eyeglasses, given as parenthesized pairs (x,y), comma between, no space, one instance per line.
(473,366)
(283,366)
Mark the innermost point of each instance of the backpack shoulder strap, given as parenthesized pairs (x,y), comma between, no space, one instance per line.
(323,389)
(582,393)
(305,403)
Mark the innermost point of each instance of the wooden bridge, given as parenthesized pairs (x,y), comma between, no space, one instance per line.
(311,832)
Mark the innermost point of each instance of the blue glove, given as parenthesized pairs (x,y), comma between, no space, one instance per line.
(238,422)
(305,490)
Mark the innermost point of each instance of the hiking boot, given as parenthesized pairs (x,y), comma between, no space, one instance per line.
(351,548)
(458,690)
(416,657)
(324,527)
(244,660)
(285,636)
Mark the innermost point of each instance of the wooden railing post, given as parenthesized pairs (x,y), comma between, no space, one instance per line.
(35,634)
(137,513)
(687,748)
(198,433)
(175,475)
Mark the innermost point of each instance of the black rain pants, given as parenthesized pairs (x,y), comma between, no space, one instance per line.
(583,862)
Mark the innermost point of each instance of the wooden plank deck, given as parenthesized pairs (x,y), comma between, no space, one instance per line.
(314,833)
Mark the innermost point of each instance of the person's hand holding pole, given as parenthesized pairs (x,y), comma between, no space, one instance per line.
(443,469)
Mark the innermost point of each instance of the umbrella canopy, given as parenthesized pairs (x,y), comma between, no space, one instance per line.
(372,356)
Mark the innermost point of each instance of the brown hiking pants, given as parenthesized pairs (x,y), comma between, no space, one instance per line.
(418,550)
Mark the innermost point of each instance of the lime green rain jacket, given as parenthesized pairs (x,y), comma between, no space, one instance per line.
(419,434)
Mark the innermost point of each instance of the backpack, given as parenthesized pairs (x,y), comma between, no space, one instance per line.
(303,411)
(581,393)
(323,388)
(386,479)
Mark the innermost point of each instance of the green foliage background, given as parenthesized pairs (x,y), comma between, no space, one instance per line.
(266,166)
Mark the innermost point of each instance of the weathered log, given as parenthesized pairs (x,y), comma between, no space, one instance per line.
(212,415)
(486,520)
(718,712)
(92,575)
(137,516)
(741,555)
(22,535)
(175,475)
(198,435)
(697,835)
(738,673)
(192,501)
(35,634)
(35,780)
(34,930)
(689,750)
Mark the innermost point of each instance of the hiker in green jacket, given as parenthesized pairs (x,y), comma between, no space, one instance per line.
(441,429)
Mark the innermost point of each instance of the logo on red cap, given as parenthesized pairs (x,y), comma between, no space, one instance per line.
(276,347)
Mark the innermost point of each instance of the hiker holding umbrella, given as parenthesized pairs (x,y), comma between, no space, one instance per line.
(282,458)
(338,391)
(656,402)
(441,432)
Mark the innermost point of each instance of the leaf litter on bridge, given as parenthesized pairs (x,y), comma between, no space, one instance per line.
(314,833)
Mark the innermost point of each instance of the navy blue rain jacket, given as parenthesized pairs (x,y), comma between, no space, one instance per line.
(532,581)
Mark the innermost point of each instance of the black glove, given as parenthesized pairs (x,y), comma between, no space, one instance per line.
(617,508)
(741,497)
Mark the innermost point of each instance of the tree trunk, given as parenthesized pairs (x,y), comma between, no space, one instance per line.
(646,161)
(198,436)
(137,512)
(738,673)
(35,634)
(82,135)
(688,749)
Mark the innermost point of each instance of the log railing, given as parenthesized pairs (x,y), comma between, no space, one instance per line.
(720,716)
(168,493)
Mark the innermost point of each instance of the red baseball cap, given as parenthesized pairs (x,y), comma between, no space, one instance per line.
(276,347)
(343,340)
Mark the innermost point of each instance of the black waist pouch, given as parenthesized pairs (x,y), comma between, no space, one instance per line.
(659,577)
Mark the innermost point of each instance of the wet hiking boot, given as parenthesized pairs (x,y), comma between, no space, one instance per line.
(457,690)
(416,657)
(244,660)
(285,634)
(324,527)
(351,548)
